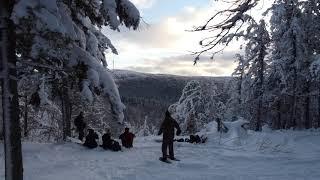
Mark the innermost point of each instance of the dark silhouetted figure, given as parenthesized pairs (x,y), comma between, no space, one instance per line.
(167,128)
(35,99)
(91,139)
(127,138)
(107,141)
(80,125)
(195,139)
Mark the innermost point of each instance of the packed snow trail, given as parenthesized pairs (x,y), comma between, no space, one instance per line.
(275,155)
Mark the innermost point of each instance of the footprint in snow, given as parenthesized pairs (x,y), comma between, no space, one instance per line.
(193,166)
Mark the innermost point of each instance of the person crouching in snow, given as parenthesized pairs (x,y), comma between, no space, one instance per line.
(108,143)
(106,140)
(127,138)
(91,139)
(167,128)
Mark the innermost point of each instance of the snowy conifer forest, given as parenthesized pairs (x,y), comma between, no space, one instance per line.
(67,114)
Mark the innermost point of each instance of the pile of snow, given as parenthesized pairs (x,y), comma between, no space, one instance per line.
(235,136)
(284,141)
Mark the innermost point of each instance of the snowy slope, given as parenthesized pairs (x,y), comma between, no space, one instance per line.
(298,158)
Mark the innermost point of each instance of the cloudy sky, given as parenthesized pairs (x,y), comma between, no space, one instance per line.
(162,44)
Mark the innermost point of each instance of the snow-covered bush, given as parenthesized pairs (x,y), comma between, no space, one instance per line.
(195,108)
(145,130)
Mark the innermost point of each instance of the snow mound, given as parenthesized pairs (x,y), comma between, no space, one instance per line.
(267,141)
(235,135)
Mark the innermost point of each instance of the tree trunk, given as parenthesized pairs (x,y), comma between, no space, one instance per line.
(293,117)
(66,112)
(260,89)
(319,105)
(279,115)
(307,122)
(25,122)
(10,105)
(240,89)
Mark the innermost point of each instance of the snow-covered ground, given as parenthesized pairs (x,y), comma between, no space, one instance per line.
(276,155)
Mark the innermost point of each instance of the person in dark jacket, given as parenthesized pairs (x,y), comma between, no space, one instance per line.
(80,125)
(127,138)
(91,139)
(167,128)
(107,141)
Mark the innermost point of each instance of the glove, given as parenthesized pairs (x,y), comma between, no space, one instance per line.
(178,132)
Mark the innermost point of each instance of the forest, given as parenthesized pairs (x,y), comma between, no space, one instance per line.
(54,65)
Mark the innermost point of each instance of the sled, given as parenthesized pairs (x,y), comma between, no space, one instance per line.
(74,140)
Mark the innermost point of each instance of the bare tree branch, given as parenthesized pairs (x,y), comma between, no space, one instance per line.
(225,30)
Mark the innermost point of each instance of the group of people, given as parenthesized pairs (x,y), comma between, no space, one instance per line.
(193,139)
(107,142)
(167,128)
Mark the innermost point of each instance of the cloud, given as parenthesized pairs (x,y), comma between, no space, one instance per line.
(164,47)
(183,65)
(170,32)
(143,4)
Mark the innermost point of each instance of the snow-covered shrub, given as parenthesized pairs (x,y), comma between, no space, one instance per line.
(195,108)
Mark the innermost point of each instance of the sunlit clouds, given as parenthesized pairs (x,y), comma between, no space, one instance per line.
(165,46)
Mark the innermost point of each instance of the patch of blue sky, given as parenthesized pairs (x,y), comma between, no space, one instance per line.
(165,8)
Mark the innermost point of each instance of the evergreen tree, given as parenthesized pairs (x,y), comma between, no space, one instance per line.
(62,42)
(255,55)
(289,53)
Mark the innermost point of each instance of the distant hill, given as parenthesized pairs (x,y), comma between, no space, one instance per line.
(149,95)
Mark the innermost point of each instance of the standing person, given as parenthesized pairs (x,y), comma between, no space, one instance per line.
(91,139)
(127,138)
(80,125)
(167,128)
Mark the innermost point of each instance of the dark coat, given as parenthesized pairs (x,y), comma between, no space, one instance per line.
(167,128)
(79,123)
(91,140)
(107,141)
(127,139)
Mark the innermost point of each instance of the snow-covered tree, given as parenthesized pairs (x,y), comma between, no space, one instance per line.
(145,130)
(289,53)
(315,75)
(311,24)
(62,40)
(256,48)
(285,86)
(196,108)
(190,102)
(235,102)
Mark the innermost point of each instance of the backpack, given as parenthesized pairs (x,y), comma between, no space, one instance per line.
(192,139)
(115,146)
(197,138)
(180,140)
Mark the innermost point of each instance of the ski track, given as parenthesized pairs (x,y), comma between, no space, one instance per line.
(201,162)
